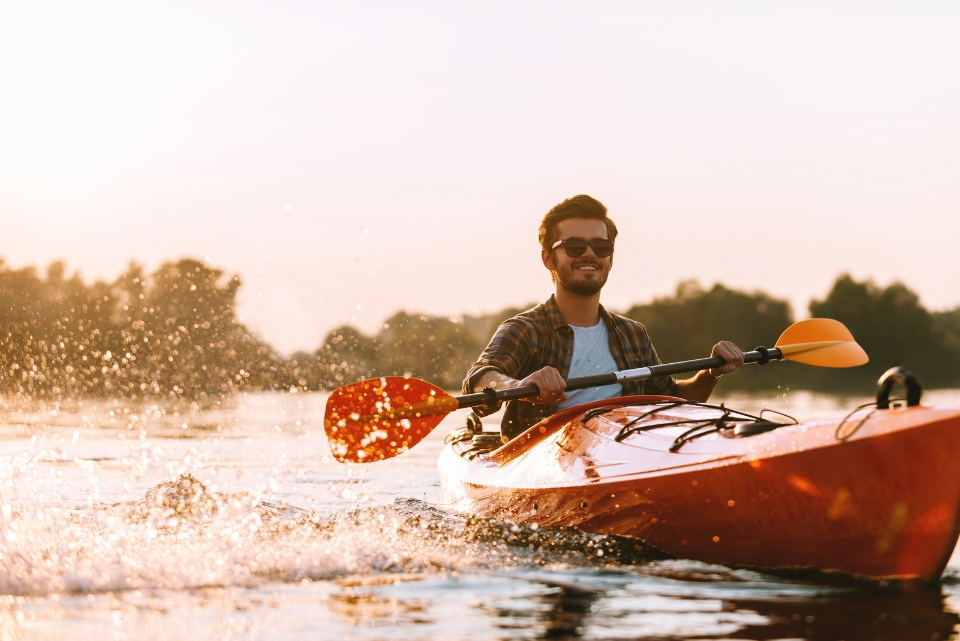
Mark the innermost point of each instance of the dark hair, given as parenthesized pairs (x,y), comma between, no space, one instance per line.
(581,206)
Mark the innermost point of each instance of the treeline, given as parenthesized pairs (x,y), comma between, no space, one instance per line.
(174,333)
(889,323)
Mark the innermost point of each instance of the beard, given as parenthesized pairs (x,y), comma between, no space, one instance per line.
(567,279)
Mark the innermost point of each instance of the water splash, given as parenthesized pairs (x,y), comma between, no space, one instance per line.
(182,534)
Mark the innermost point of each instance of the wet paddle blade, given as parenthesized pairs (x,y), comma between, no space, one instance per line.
(823,342)
(380,418)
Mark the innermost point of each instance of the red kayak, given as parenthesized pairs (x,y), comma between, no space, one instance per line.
(875,495)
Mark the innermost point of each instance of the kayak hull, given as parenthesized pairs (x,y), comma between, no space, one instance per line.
(883,503)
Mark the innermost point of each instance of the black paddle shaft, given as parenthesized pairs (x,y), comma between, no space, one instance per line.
(761,355)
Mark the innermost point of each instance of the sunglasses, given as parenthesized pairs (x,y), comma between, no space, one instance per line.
(577,246)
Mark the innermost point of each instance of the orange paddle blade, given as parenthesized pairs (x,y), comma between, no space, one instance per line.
(380,418)
(823,342)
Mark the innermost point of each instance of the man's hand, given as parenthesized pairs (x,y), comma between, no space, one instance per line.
(702,385)
(730,353)
(551,385)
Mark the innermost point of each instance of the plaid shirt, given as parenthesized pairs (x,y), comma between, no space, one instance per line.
(539,338)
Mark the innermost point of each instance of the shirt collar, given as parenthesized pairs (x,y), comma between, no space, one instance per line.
(555,318)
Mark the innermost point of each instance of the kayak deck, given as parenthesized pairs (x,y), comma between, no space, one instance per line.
(876,496)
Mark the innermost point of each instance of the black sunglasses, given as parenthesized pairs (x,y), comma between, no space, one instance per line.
(577,246)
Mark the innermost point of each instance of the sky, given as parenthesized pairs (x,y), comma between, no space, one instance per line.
(349,160)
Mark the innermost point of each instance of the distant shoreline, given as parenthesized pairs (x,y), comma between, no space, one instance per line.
(174,334)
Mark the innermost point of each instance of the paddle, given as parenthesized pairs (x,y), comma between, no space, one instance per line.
(380,418)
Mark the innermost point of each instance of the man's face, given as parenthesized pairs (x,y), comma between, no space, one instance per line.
(582,275)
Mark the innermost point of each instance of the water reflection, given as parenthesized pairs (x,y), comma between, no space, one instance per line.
(859,615)
(359,605)
(569,609)
(614,604)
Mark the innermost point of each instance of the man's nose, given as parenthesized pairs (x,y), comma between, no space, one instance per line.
(589,251)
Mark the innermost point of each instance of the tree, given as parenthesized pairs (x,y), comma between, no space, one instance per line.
(433,348)
(174,334)
(687,325)
(894,329)
(346,356)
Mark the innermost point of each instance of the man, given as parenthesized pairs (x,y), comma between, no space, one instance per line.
(572,335)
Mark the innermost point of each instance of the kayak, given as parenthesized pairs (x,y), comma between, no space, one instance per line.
(875,494)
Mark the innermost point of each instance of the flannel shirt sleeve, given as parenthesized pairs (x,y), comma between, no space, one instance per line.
(505,353)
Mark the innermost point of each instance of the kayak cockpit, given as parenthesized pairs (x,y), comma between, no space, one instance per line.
(469,443)
(684,420)
(680,420)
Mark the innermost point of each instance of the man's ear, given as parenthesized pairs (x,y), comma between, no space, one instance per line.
(547,258)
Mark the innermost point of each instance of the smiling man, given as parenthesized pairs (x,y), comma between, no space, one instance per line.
(572,335)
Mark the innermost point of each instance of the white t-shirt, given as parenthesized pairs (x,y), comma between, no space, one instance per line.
(591,355)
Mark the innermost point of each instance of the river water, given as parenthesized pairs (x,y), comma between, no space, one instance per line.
(121,520)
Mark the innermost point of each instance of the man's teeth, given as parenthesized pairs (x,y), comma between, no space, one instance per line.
(591,268)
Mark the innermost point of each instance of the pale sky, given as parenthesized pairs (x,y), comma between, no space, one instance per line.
(351,159)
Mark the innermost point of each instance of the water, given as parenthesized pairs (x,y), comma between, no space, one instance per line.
(139,521)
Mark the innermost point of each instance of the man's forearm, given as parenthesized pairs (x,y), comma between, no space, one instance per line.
(699,387)
(495,379)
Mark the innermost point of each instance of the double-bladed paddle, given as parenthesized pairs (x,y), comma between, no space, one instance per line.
(379,418)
